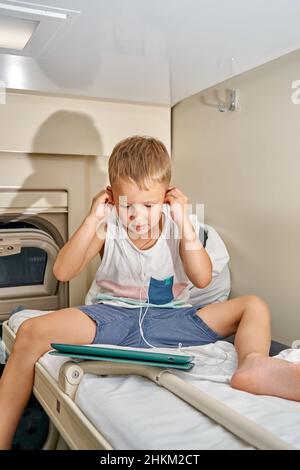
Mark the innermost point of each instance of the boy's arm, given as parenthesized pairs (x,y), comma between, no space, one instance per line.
(78,251)
(86,242)
(196,262)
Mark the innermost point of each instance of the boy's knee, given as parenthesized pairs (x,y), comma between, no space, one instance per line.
(30,336)
(255,300)
(259,304)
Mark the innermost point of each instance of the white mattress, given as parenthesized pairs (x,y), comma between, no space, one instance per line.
(134,413)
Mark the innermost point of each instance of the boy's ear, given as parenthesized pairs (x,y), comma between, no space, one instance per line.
(109,189)
(167,190)
(166,194)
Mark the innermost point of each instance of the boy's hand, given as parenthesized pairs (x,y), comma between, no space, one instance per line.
(179,205)
(101,205)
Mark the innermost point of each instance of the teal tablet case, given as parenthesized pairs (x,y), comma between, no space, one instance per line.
(127,356)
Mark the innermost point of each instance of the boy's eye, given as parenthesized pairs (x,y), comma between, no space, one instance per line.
(127,207)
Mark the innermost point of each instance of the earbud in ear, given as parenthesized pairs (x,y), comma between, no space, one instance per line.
(109,190)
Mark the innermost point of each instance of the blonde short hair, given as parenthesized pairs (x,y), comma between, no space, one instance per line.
(144,160)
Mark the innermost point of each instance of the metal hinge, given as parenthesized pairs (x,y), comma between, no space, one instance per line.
(10,246)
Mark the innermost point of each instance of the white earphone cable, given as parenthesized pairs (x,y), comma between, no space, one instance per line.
(142,315)
(142,287)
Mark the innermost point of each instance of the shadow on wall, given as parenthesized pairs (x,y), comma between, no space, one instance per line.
(72,133)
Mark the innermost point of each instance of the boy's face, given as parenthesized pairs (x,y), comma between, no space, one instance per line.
(139,210)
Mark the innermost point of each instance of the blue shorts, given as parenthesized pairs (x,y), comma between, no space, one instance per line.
(162,327)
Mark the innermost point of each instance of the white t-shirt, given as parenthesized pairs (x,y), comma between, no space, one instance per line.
(130,277)
(219,288)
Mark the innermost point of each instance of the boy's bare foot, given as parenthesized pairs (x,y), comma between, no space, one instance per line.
(268,376)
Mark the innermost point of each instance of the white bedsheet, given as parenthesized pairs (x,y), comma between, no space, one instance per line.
(134,413)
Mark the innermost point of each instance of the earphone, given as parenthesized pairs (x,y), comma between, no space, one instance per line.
(142,315)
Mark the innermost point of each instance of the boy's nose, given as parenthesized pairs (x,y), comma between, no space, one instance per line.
(136,217)
(136,211)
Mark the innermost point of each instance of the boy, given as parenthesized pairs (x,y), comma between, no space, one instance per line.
(144,264)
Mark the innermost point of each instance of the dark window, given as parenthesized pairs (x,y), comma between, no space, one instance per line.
(24,269)
(17,224)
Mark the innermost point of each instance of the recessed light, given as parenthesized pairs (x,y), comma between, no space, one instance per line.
(28,29)
(15,32)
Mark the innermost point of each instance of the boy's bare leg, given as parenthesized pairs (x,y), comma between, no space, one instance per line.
(249,318)
(68,325)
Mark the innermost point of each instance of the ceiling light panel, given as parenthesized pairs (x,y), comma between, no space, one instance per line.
(16,32)
(27,29)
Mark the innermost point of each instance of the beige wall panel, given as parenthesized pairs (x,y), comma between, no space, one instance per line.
(245,166)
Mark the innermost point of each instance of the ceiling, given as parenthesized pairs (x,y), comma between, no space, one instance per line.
(152,51)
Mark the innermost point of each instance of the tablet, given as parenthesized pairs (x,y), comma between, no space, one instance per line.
(118,354)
